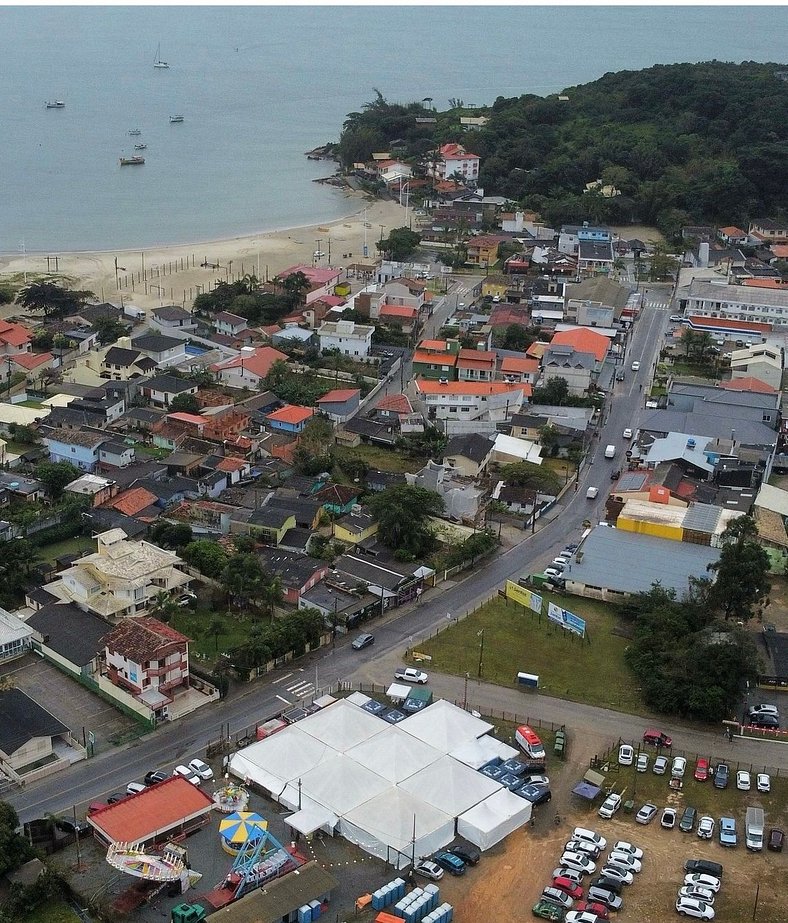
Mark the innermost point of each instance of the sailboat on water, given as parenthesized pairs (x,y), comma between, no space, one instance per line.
(158,61)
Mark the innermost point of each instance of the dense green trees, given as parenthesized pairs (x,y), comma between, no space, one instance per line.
(52,299)
(185,403)
(55,475)
(245,298)
(400,243)
(402,513)
(741,571)
(534,477)
(14,848)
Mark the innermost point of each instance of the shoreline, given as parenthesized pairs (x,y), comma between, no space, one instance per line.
(172,274)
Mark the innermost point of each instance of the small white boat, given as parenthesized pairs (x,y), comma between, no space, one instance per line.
(176,118)
(132,161)
(140,147)
(135,131)
(56,104)
(157,61)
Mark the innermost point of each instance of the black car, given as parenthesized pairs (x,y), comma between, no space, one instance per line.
(115,797)
(687,821)
(469,854)
(608,884)
(535,793)
(67,825)
(765,721)
(721,776)
(155,776)
(704,867)
(615,474)
(776,839)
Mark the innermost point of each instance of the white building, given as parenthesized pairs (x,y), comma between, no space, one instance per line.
(737,303)
(762,361)
(471,400)
(350,338)
(453,159)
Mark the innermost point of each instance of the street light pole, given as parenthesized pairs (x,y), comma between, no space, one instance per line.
(465,694)
(480,634)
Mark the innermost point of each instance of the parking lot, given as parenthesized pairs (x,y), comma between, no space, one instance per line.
(77,707)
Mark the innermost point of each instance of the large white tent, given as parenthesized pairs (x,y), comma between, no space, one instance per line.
(450,786)
(488,822)
(341,725)
(445,726)
(397,826)
(394,754)
(339,784)
(286,755)
(475,753)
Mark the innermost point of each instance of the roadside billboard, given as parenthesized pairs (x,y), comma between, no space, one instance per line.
(524,597)
(566,619)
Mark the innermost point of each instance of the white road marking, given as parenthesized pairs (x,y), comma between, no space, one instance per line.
(282,699)
(281,678)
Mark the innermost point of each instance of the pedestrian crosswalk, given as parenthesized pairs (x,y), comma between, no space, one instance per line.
(659,305)
(297,687)
(301,689)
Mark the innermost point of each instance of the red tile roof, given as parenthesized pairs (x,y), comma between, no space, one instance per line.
(317,276)
(31,361)
(473,358)
(434,358)
(584,341)
(196,419)
(398,310)
(231,464)
(133,501)
(338,396)
(291,413)
(258,362)
(395,403)
(14,334)
(764,283)
(512,364)
(725,323)
(485,388)
(140,639)
(440,346)
(152,812)
(748,383)
(732,231)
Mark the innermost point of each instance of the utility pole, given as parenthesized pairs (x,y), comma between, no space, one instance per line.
(480,634)
(366,250)
(465,694)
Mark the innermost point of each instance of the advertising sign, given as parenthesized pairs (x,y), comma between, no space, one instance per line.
(567,620)
(524,597)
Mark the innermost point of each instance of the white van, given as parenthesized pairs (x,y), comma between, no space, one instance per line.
(610,451)
(591,493)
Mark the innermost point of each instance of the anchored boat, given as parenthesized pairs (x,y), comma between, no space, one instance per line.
(56,104)
(157,61)
(176,118)
(131,161)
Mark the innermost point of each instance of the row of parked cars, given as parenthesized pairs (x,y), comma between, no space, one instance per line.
(195,772)
(565,898)
(678,768)
(698,891)
(454,861)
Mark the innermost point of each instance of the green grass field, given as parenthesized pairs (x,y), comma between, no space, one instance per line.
(377,457)
(516,639)
(51,912)
(77,545)
(194,623)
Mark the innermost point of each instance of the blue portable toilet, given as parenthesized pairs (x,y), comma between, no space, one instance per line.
(304,914)
(316,908)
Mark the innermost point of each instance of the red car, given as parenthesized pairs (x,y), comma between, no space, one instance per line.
(568,887)
(593,907)
(702,770)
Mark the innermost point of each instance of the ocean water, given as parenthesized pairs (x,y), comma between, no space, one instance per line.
(258,86)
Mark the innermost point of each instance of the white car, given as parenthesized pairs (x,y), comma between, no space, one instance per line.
(668,819)
(134,788)
(623,846)
(411,675)
(660,765)
(692,907)
(590,836)
(187,774)
(641,764)
(582,916)
(576,860)
(743,781)
(626,755)
(610,805)
(625,860)
(571,874)
(699,880)
(627,433)
(617,873)
(635,366)
(676,318)
(203,770)
(706,827)
(763,783)
(552,572)
(678,767)
(428,869)
(701,894)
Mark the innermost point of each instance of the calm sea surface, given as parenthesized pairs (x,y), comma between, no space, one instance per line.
(258,86)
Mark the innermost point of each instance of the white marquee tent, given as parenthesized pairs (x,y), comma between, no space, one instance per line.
(394,754)
(286,755)
(488,822)
(341,725)
(445,726)
(339,784)
(450,786)
(475,753)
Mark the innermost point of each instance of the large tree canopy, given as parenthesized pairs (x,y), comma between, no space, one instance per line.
(741,570)
(402,513)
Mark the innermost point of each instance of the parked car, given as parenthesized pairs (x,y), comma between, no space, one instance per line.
(625,860)
(411,675)
(766,721)
(606,897)
(134,788)
(623,846)
(764,709)
(701,770)
(469,854)
(687,821)
(617,874)
(727,831)
(721,776)
(115,797)
(568,887)
(646,814)
(587,849)
(627,433)
(657,738)
(615,474)
(743,781)
(547,910)
(676,318)
(776,839)
(203,770)
(609,884)
(702,894)
(668,819)
(428,869)
(678,768)
(536,780)
(626,755)
(706,827)
(187,774)
(155,776)
(641,763)
(571,874)
(536,794)
(582,916)
(593,907)
(763,783)
(451,863)
(610,805)
(558,897)
(590,836)
(552,572)
(704,867)
(660,765)
(576,860)
(68,825)
(691,907)
(362,641)
(699,879)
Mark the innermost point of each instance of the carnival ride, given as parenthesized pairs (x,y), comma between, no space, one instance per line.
(137,860)
(239,828)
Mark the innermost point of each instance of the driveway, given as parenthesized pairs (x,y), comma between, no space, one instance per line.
(77,707)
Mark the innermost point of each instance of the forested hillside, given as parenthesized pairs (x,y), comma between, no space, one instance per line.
(683,143)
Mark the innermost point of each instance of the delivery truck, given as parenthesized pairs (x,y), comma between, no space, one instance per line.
(610,451)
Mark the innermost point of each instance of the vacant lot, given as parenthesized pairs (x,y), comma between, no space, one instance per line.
(194,624)
(377,457)
(516,639)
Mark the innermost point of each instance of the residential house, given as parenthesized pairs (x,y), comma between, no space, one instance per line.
(270,524)
(78,446)
(483,249)
(733,236)
(136,502)
(121,578)
(30,490)
(769,231)
(340,404)
(595,256)
(452,160)
(171,317)
(468,454)
(762,361)
(99,489)
(113,454)
(121,363)
(401,317)
(249,368)
(346,336)
(229,324)
(69,637)
(394,407)
(476,365)
(306,510)
(163,350)
(14,339)
(322,280)
(30,736)
(391,582)
(289,419)
(32,364)
(509,450)
(436,359)
(747,384)
(15,637)
(578,369)
(572,235)
(297,572)
(161,390)
(291,336)
(101,405)
(355,527)
(518,368)
(468,400)
(150,660)
(338,499)
(339,607)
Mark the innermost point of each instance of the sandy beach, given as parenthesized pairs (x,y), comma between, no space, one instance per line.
(175,274)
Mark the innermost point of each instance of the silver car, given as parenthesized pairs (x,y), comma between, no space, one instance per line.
(617,874)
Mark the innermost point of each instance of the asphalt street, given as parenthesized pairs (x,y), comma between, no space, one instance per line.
(175,743)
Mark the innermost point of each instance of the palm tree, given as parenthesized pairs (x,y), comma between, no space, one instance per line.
(164,607)
(215,627)
(272,595)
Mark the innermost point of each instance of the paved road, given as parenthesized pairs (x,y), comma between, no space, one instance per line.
(171,744)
